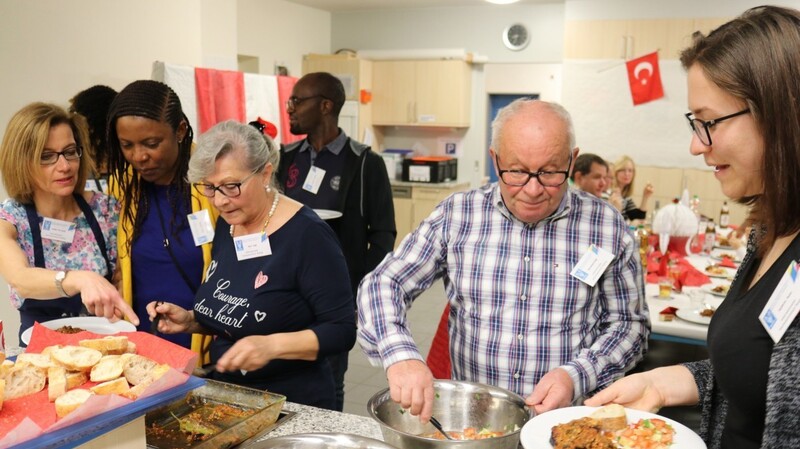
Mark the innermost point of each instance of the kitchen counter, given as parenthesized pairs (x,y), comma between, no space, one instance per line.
(312,419)
(433,185)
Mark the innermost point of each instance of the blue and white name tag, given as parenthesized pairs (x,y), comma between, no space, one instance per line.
(592,265)
(200,224)
(63,231)
(783,305)
(314,180)
(251,246)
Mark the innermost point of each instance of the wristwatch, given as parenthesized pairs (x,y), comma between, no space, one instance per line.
(59,279)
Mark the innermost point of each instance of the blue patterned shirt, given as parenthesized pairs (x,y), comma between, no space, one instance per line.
(516,312)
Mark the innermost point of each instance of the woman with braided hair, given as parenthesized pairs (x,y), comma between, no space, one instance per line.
(92,105)
(160,255)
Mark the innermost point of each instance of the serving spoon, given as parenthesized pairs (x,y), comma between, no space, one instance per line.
(438,426)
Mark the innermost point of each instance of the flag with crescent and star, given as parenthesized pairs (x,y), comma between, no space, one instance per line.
(645,78)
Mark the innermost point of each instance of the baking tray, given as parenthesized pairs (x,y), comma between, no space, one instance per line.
(230,414)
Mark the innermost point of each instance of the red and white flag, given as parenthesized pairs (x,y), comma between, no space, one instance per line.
(645,79)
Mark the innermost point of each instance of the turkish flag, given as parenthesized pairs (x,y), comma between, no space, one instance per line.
(645,79)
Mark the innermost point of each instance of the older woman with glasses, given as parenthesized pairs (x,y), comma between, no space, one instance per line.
(277,294)
(744,103)
(58,242)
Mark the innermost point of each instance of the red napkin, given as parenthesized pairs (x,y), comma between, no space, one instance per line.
(658,267)
(727,262)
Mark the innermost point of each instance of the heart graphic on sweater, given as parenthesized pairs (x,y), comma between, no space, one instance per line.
(261,279)
(260,315)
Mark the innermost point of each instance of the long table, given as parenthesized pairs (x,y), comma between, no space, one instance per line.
(678,330)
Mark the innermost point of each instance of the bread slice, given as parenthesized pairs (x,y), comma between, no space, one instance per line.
(112,344)
(108,368)
(154,375)
(71,400)
(611,417)
(131,349)
(24,380)
(76,358)
(46,351)
(76,379)
(2,356)
(37,360)
(137,368)
(116,386)
(56,382)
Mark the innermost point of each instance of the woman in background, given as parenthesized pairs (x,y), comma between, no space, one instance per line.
(161,256)
(277,294)
(92,105)
(744,109)
(624,175)
(58,242)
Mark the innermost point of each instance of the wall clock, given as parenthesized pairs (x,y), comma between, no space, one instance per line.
(516,37)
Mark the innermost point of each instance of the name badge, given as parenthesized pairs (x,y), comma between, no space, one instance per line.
(251,246)
(783,305)
(314,180)
(63,231)
(200,224)
(592,265)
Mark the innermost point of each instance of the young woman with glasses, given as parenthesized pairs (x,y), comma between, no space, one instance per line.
(58,242)
(744,103)
(277,295)
(162,256)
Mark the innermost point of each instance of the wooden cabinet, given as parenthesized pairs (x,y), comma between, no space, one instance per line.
(414,202)
(626,39)
(421,93)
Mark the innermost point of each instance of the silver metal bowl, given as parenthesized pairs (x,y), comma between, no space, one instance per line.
(321,441)
(457,405)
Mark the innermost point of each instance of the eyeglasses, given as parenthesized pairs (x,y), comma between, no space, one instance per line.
(701,127)
(294,102)
(229,189)
(519,178)
(51,157)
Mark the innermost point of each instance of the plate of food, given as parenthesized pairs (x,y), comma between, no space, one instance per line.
(98,325)
(608,426)
(327,214)
(718,290)
(720,255)
(717,271)
(702,316)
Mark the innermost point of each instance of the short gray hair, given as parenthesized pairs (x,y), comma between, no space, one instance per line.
(227,137)
(515,106)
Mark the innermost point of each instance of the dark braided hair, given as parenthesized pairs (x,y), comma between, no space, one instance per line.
(93,104)
(155,101)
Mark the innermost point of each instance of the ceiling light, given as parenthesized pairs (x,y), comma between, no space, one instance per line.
(502,2)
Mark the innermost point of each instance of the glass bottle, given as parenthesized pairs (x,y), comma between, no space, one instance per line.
(724,215)
(710,237)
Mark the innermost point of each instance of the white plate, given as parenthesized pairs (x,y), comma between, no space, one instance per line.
(536,432)
(327,214)
(98,325)
(727,273)
(693,316)
(717,255)
(710,290)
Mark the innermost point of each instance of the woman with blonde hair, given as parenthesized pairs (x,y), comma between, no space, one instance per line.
(624,175)
(58,241)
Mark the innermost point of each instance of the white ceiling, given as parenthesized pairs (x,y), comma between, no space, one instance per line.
(352,5)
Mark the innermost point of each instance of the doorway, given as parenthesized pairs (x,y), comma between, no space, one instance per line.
(497,102)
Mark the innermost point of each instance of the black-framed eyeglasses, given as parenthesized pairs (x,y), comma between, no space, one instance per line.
(519,178)
(294,102)
(51,157)
(702,127)
(229,189)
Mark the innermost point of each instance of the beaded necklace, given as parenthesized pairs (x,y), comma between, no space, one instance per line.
(269,216)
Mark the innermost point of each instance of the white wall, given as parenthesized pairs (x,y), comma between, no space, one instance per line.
(657,9)
(474,28)
(279,32)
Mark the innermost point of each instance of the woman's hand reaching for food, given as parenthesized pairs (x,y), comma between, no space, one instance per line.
(100,297)
(651,390)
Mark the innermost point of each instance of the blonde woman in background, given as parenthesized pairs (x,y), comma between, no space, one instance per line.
(624,175)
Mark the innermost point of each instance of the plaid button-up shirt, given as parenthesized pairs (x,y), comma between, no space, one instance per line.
(516,312)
